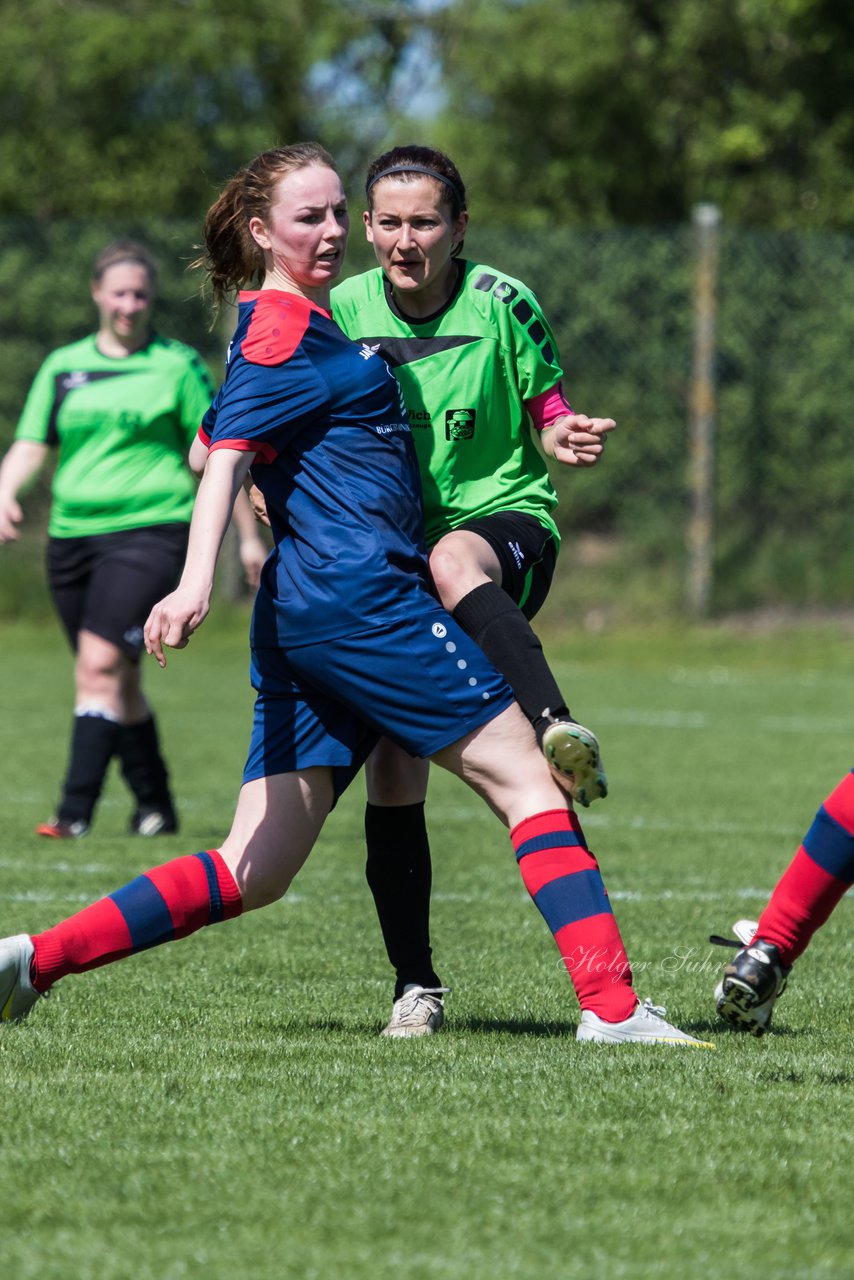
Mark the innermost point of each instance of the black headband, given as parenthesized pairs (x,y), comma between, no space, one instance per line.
(418,168)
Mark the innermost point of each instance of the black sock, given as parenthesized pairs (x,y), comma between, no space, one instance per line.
(399,873)
(505,635)
(143,767)
(93,744)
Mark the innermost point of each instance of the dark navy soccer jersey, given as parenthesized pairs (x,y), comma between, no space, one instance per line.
(335,461)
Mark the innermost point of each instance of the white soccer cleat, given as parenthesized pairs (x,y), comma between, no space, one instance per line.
(418,1012)
(645,1026)
(17,993)
(573,755)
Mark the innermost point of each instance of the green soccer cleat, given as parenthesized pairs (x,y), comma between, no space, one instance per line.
(573,755)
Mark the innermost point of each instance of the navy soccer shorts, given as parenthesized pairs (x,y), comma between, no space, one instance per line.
(107,583)
(526,551)
(420,681)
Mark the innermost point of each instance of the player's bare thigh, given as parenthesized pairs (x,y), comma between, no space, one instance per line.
(502,762)
(275,825)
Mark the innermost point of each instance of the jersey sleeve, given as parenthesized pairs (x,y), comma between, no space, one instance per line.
(197,392)
(259,407)
(535,352)
(37,420)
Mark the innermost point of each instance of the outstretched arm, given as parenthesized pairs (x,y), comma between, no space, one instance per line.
(21,463)
(174,619)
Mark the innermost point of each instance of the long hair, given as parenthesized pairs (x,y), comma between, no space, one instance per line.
(231,258)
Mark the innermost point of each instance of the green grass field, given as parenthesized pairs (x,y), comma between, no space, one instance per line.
(223,1107)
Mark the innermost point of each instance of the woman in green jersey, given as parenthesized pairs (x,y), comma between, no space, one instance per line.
(479,370)
(121,408)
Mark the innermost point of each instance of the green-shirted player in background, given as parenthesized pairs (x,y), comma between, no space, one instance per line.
(121,408)
(480,374)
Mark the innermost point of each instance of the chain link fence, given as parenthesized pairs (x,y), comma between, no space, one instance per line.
(623,304)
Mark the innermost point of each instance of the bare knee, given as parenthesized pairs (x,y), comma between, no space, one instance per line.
(275,826)
(395,778)
(101,669)
(460,562)
(262,876)
(452,576)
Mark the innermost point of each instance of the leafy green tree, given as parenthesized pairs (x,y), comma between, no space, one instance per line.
(594,112)
(122,106)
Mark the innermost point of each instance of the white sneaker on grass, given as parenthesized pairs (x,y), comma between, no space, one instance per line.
(418,1012)
(17,993)
(573,755)
(645,1026)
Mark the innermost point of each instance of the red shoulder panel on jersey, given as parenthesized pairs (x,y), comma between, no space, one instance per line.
(276,328)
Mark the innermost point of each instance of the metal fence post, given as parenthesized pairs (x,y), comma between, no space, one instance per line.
(707,220)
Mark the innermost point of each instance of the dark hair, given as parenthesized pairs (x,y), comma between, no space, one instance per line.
(124,251)
(408,164)
(231,257)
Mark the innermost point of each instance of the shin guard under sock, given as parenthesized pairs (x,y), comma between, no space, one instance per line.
(168,902)
(563,878)
(400,874)
(820,873)
(94,737)
(505,635)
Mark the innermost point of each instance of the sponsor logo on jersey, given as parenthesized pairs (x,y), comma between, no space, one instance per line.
(77,379)
(389,428)
(420,418)
(459,424)
(366,350)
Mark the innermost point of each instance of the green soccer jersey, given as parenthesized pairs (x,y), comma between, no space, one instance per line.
(123,428)
(465,374)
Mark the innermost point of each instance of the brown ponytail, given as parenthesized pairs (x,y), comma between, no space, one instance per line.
(231,259)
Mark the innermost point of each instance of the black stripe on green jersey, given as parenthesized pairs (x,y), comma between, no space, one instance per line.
(400,351)
(69,380)
(522,310)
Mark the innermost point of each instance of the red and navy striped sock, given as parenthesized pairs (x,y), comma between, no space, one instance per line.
(167,902)
(563,878)
(817,877)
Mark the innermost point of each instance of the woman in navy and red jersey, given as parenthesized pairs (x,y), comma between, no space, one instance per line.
(348,643)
